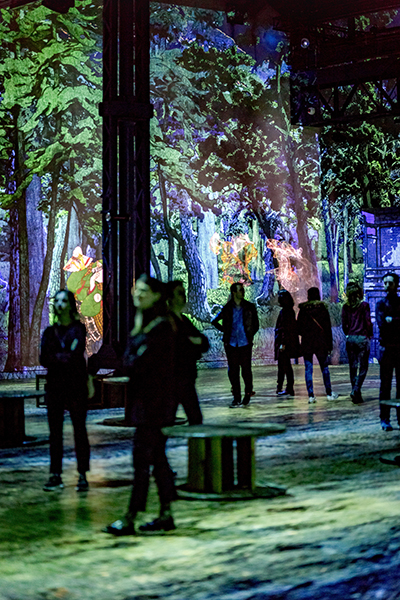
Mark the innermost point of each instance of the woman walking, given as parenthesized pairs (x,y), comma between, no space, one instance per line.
(149,361)
(357,327)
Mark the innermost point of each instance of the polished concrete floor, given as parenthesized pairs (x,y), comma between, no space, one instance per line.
(335,534)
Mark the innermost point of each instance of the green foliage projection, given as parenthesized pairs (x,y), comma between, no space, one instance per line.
(50,87)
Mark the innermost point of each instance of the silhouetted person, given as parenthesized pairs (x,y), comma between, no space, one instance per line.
(149,362)
(314,326)
(191,344)
(357,327)
(238,320)
(286,343)
(62,353)
(388,319)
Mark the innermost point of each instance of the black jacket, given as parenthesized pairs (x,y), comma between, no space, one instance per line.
(149,361)
(223,321)
(62,353)
(286,333)
(389,333)
(314,326)
(188,353)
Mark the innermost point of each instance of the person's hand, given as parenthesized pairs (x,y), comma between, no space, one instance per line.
(388,319)
(195,340)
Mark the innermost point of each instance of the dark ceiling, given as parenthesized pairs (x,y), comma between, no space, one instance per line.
(306,11)
(325,42)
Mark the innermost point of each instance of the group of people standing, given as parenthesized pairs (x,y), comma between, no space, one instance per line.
(160,361)
(313,325)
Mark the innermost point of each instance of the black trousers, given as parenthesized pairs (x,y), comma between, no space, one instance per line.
(239,359)
(285,368)
(389,361)
(187,396)
(149,449)
(75,401)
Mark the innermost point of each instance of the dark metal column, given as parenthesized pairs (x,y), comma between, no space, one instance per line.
(126,112)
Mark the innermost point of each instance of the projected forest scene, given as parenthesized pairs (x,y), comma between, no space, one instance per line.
(238,193)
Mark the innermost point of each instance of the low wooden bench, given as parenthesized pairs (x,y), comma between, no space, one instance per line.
(12,416)
(213,473)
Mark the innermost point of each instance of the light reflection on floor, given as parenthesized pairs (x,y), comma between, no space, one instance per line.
(336,533)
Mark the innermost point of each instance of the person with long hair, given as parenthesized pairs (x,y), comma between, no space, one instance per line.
(286,343)
(149,361)
(314,327)
(191,344)
(62,353)
(357,327)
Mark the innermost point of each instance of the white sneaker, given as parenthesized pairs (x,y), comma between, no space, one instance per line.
(333,396)
(311,399)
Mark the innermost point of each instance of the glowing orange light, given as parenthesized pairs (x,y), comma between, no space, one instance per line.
(235,257)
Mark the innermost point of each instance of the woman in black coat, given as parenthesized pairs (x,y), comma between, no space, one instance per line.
(286,343)
(149,362)
(191,344)
(62,353)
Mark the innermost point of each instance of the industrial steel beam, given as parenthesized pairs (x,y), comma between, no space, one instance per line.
(126,112)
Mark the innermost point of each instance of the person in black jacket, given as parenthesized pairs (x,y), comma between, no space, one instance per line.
(238,320)
(62,353)
(191,344)
(286,343)
(314,326)
(149,361)
(388,319)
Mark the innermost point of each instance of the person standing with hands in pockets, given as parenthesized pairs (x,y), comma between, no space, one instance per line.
(286,343)
(62,353)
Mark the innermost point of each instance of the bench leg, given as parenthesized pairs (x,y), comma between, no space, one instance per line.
(213,465)
(246,465)
(196,466)
(228,473)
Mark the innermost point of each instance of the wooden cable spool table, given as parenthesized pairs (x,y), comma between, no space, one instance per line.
(12,416)
(213,473)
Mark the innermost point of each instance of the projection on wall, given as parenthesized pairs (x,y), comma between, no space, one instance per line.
(237,192)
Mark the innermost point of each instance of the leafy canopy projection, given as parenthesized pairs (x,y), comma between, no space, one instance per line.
(50,86)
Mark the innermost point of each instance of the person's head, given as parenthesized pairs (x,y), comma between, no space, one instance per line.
(390,282)
(176,296)
(65,305)
(148,293)
(237,292)
(354,293)
(313,294)
(285,299)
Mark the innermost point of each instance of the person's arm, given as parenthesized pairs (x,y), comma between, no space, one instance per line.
(47,349)
(256,322)
(197,338)
(345,320)
(328,330)
(368,322)
(278,335)
(300,322)
(218,321)
(380,313)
